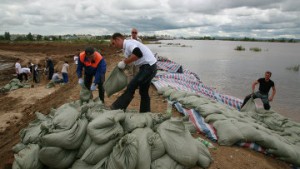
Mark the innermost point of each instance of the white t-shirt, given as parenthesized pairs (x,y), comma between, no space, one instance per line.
(76,59)
(25,70)
(148,56)
(65,68)
(18,68)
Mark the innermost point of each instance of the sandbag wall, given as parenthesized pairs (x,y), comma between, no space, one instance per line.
(280,136)
(86,135)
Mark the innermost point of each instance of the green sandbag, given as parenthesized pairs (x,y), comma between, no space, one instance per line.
(116,81)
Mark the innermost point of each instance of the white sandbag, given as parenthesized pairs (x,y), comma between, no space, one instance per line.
(69,139)
(157,146)
(166,162)
(227,132)
(144,149)
(168,92)
(55,157)
(82,165)
(116,81)
(28,158)
(96,152)
(125,154)
(207,109)
(178,142)
(106,126)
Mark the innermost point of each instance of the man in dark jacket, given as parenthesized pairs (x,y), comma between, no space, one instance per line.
(94,66)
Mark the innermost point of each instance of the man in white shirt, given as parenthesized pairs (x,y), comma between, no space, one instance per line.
(25,72)
(19,69)
(64,72)
(140,55)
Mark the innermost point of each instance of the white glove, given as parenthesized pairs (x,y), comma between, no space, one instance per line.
(121,65)
(93,87)
(80,81)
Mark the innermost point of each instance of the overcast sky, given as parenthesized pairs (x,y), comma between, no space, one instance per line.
(232,18)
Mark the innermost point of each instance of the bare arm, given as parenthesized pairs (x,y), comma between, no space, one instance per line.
(131,59)
(273,93)
(253,85)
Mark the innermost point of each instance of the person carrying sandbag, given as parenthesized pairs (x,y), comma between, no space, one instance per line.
(94,65)
(139,54)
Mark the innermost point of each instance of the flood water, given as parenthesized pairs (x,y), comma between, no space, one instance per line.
(232,72)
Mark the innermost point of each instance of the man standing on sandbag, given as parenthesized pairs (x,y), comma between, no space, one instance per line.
(139,54)
(94,65)
(265,84)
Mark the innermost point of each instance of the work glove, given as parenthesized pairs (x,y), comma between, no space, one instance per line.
(80,81)
(121,65)
(93,87)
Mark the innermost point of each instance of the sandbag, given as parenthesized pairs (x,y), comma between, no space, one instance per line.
(69,139)
(157,146)
(173,134)
(136,120)
(166,162)
(125,154)
(144,150)
(96,152)
(28,158)
(116,81)
(106,126)
(55,157)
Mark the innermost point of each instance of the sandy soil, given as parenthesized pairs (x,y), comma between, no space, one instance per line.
(17,107)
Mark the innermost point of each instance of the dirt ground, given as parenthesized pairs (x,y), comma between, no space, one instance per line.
(17,107)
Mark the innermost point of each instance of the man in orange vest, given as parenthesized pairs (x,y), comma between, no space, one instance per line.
(94,65)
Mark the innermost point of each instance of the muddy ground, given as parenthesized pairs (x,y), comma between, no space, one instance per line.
(17,107)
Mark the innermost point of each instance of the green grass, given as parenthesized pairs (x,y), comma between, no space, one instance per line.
(294,68)
(255,49)
(239,48)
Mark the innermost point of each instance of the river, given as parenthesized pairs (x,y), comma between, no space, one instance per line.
(232,72)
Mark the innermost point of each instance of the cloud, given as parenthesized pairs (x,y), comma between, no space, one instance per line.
(260,18)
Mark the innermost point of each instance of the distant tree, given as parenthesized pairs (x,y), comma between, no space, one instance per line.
(39,37)
(46,38)
(6,36)
(2,38)
(29,37)
(20,38)
(59,37)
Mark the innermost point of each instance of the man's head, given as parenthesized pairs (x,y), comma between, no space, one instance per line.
(89,52)
(134,33)
(268,74)
(117,40)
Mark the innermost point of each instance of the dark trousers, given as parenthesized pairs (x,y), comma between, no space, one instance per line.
(88,79)
(51,72)
(141,80)
(20,77)
(264,98)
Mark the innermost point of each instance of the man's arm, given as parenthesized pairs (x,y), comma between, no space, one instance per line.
(273,93)
(253,85)
(79,69)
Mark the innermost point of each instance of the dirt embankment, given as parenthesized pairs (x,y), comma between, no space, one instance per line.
(17,107)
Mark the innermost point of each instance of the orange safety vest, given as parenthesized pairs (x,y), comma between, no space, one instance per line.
(87,62)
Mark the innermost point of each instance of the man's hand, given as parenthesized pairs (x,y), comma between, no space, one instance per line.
(270,98)
(121,65)
(80,81)
(93,87)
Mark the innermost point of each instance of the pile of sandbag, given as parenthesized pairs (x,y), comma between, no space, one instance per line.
(278,135)
(85,135)
(13,85)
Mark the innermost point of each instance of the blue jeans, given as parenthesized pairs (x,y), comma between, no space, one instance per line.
(65,77)
(264,98)
(141,80)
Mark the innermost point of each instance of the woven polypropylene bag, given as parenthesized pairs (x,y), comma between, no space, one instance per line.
(116,81)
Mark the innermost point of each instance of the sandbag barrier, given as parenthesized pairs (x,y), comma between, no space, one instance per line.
(256,128)
(83,134)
